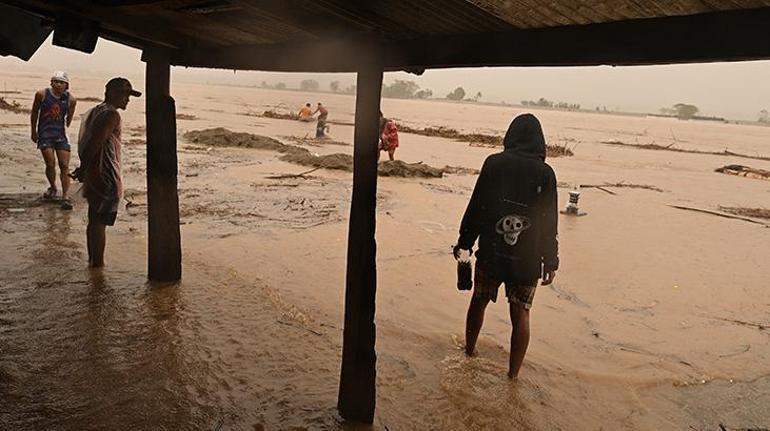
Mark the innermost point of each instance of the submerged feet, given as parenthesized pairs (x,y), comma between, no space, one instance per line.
(50,193)
(470,351)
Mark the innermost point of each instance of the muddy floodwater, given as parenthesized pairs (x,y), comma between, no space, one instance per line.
(658,317)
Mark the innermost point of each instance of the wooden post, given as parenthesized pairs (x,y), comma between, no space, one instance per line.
(357,379)
(164,243)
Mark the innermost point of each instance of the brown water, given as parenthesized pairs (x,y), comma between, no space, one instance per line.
(638,331)
(92,349)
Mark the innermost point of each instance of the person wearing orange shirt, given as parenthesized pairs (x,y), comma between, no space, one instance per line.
(305,114)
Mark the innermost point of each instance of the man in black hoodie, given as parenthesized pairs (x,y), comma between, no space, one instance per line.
(513,213)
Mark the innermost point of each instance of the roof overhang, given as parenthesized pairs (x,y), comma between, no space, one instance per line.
(340,36)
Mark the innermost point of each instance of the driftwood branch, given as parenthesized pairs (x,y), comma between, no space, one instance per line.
(760,326)
(718,214)
(283,322)
(596,186)
(285,176)
(740,352)
(621,184)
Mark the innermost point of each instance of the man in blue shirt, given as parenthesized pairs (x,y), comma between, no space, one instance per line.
(52,111)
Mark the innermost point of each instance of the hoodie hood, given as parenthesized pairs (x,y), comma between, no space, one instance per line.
(525,137)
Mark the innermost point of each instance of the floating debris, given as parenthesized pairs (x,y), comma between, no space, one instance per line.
(747,212)
(603,187)
(13,106)
(271,113)
(460,170)
(671,147)
(744,171)
(719,214)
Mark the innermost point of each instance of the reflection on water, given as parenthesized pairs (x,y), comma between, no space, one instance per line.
(83,348)
(90,348)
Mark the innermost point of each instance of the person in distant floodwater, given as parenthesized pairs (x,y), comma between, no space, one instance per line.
(321,127)
(513,213)
(99,148)
(388,137)
(306,113)
(52,112)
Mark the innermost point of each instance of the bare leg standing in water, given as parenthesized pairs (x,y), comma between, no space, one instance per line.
(519,339)
(95,241)
(49,157)
(64,174)
(473,322)
(519,332)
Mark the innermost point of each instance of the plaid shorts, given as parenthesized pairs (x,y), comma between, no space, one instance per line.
(485,286)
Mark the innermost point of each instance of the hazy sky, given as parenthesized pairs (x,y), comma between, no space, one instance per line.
(733,90)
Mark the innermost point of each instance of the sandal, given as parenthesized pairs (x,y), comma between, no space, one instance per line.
(66,204)
(50,193)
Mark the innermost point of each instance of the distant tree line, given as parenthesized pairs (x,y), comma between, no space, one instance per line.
(309,85)
(456,94)
(398,89)
(312,85)
(278,86)
(545,103)
(683,111)
(334,86)
(401,89)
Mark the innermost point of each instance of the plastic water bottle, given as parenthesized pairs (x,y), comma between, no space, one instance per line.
(464,272)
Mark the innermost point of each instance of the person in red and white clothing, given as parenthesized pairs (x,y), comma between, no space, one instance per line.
(388,136)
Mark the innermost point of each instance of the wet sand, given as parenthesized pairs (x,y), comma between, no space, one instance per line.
(640,330)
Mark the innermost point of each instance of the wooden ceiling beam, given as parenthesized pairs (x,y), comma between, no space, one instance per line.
(338,55)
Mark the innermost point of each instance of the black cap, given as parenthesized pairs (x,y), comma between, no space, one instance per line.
(121,84)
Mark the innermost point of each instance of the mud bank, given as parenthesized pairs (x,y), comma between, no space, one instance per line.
(221,137)
(480,139)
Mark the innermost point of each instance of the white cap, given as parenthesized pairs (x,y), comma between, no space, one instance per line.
(60,76)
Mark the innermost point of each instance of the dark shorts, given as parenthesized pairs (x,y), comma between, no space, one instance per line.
(56,144)
(105,218)
(387,147)
(486,285)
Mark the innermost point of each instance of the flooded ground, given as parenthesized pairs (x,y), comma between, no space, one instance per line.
(657,320)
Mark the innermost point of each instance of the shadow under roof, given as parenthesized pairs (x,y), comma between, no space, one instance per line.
(335,35)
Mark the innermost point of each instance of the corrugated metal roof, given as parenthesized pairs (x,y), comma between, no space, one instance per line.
(243,22)
(539,14)
(198,25)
